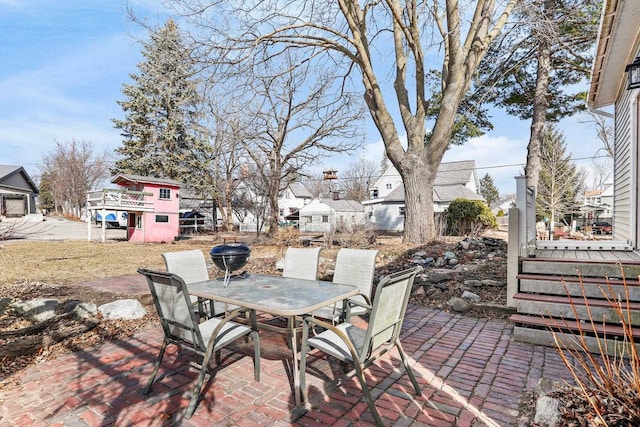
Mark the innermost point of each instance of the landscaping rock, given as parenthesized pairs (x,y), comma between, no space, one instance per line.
(491,282)
(547,411)
(85,310)
(473,283)
(4,304)
(471,297)
(123,309)
(438,277)
(459,305)
(37,309)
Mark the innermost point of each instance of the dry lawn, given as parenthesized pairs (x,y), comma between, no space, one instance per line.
(78,261)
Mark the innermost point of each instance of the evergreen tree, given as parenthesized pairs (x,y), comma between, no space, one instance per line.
(488,190)
(162,130)
(535,68)
(560,179)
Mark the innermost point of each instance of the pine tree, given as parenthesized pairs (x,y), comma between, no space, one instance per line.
(560,179)
(162,130)
(488,190)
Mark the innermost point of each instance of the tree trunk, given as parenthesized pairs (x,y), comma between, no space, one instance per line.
(419,222)
(274,212)
(540,105)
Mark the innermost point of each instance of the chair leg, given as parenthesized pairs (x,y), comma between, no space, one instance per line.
(407,368)
(156,367)
(367,395)
(303,361)
(193,403)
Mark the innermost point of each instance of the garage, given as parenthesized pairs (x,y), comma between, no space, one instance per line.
(14,205)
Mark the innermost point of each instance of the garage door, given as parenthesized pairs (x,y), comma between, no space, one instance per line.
(15,206)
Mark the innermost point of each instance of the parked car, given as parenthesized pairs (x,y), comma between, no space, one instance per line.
(115,219)
(601,227)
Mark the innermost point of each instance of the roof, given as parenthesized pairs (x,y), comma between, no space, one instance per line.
(7,171)
(343,205)
(455,172)
(617,41)
(123,177)
(299,190)
(448,193)
(441,194)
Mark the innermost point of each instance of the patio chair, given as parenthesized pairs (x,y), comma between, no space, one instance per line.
(181,327)
(301,263)
(362,347)
(191,266)
(353,267)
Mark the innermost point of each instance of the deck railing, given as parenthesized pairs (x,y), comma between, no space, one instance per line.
(119,199)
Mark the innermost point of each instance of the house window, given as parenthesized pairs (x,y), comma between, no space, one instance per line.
(325,218)
(165,193)
(162,218)
(401,210)
(139,222)
(388,186)
(374,193)
(308,219)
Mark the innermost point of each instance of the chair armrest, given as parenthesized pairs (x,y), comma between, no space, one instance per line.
(230,316)
(332,328)
(366,304)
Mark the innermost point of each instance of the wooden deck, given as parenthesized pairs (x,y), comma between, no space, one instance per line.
(586,255)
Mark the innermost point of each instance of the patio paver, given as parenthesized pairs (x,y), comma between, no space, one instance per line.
(471,370)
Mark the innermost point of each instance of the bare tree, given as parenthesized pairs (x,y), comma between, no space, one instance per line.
(605,132)
(72,170)
(231,162)
(378,40)
(316,184)
(357,178)
(295,122)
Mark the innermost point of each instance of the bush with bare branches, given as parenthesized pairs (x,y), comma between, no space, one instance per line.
(609,379)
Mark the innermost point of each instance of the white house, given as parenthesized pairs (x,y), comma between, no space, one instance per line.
(324,215)
(618,47)
(386,207)
(292,199)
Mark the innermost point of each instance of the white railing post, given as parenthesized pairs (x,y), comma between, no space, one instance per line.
(521,204)
(513,253)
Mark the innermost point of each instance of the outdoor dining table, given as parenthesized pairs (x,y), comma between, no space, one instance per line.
(278,296)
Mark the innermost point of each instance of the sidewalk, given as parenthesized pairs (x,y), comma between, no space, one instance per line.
(472,373)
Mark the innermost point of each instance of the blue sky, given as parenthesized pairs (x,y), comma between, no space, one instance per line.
(64,62)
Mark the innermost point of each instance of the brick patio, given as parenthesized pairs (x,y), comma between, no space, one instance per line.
(471,371)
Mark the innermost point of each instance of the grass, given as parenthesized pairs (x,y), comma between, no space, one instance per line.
(72,262)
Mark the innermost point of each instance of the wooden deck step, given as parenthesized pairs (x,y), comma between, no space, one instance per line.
(575,308)
(581,267)
(593,287)
(571,325)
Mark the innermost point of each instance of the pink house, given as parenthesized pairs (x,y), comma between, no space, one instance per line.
(151,205)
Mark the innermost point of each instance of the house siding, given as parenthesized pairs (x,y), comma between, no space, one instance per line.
(625,163)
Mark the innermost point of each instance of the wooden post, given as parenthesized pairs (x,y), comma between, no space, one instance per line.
(513,253)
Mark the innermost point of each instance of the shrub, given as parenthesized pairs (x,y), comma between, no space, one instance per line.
(471,217)
(608,380)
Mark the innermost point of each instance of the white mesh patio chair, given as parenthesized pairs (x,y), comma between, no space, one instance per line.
(301,263)
(362,347)
(180,325)
(353,267)
(191,266)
